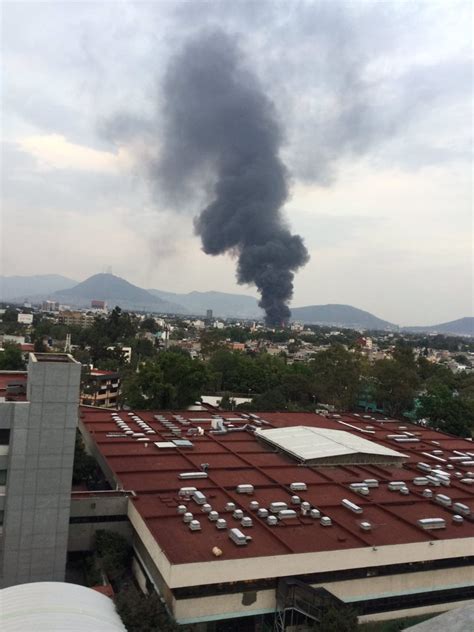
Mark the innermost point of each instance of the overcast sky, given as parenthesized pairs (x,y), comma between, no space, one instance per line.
(375,99)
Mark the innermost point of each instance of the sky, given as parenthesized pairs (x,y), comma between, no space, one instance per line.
(375,103)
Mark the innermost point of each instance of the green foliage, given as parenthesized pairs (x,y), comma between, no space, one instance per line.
(171,380)
(11,358)
(114,553)
(338,376)
(144,613)
(85,469)
(338,619)
(149,324)
(396,381)
(446,411)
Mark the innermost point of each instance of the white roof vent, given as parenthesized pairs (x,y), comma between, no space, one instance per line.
(351,506)
(298,487)
(457,519)
(207,508)
(245,489)
(442,499)
(254,505)
(182,509)
(315,513)
(326,521)
(246,521)
(238,537)
(365,526)
(190,475)
(195,525)
(462,509)
(213,516)
(262,512)
(229,506)
(295,500)
(272,521)
(187,517)
(287,514)
(427,493)
(276,507)
(432,523)
(221,523)
(238,514)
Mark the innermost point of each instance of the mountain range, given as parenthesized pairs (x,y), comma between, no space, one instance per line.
(118,291)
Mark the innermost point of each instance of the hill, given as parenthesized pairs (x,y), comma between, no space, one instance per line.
(22,287)
(340,316)
(459,327)
(116,291)
(222,304)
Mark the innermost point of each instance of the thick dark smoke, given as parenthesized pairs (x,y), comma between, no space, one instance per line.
(217,119)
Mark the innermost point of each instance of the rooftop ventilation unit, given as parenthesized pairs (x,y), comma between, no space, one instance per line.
(295,500)
(195,525)
(457,519)
(404,491)
(190,475)
(187,491)
(229,507)
(432,523)
(287,514)
(181,509)
(276,507)
(395,486)
(238,537)
(325,521)
(246,521)
(272,521)
(206,508)
(359,488)
(305,507)
(467,481)
(213,516)
(424,467)
(442,499)
(245,489)
(462,509)
(238,514)
(254,505)
(221,523)
(371,482)
(298,487)
(433,480)
(262,512)
(315,513)
(420,480)
(199,498)
(427,493)
(351,506)
(188,516)
(365,526)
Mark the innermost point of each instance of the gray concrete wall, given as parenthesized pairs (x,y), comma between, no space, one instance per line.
(40,462)
(81,535)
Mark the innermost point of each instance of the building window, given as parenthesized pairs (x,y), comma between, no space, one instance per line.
(4,436)
(3,477)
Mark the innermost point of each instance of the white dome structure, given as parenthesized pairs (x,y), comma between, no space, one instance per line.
(56,607)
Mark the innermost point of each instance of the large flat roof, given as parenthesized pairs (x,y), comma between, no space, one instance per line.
(239,457)
(322,445)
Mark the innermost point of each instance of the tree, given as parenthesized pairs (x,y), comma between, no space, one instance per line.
(144,613)
(446,411)
(114,553)
(338,619)
(149,324)
(85,468)
(171,380)
(11,358)
(337,375)
(396,381)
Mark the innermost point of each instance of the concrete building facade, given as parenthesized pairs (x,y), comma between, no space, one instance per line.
(36,462)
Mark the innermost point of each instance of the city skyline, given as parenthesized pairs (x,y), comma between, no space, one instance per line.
(375,104)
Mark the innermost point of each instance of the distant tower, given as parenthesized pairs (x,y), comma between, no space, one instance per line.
(209,314)
(67,344)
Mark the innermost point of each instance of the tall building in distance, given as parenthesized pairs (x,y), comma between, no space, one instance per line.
(38,419)
(209,314)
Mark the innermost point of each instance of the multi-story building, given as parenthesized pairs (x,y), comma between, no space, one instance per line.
(102,388)
(77,318)
(251,517)
(38,420)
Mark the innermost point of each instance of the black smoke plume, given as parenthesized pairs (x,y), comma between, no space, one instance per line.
(217,120)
